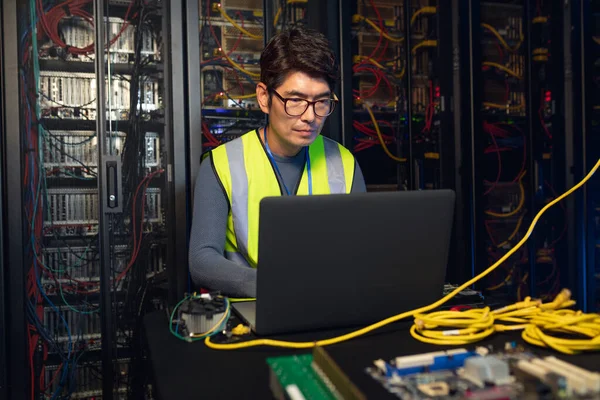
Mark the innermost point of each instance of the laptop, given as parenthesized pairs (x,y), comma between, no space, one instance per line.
(346,260)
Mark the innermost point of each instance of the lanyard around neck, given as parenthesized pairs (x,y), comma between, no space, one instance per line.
(307,158)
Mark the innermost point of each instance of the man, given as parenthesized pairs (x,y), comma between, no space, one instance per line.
(287,157)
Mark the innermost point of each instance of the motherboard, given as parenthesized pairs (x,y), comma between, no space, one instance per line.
(510,372)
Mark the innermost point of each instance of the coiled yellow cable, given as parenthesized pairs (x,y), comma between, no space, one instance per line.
(473,325)
(551,321)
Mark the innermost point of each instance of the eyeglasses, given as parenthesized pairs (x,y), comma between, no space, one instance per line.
(295,107)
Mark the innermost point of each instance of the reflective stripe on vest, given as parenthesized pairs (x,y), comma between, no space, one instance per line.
(248,176)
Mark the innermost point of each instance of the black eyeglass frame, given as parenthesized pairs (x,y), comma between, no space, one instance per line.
(334,100)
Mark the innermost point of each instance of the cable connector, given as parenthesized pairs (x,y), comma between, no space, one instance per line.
(240,330)
(216,6)
(356,18)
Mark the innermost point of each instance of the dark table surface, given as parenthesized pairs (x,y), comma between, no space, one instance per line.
(184,370)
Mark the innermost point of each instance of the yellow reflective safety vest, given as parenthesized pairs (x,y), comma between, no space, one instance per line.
(247,176)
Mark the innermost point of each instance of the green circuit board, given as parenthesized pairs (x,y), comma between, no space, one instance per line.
(293,377)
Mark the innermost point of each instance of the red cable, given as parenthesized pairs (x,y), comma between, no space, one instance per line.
(49,22)
(137,245)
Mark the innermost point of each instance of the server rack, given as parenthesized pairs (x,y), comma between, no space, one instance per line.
(550,87)
(519,140)
(98,207)
(400,68)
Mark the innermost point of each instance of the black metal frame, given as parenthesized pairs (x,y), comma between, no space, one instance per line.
(16,322)
(3,361)
(562,94)
(410,167)
(450,141)
(179,118)
(268,20)
(532,143)
(345,59)
(576,160)
(593,154)
(571,100)
(585,233)
(104,217)
(471,122)
(192,94)
(454,165)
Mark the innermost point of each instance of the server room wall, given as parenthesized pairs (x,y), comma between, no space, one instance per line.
(467,95)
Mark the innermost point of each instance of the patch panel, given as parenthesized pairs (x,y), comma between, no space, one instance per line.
(80,263)
(88,379)
(71,95)
(70,149)
(72,265)
(83,323)
(84,328)
(77,32)
(503,69)
(74,211)
(71,206)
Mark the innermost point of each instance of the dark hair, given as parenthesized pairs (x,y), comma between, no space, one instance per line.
(298,50)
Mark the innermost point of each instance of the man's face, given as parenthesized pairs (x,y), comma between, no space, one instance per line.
(288,134)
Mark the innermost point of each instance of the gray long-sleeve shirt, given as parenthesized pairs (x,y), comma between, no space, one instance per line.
(208,266)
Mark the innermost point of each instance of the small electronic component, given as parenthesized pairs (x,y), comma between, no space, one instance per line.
(200,314)
(436,361)
(487,370)
(565,378)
